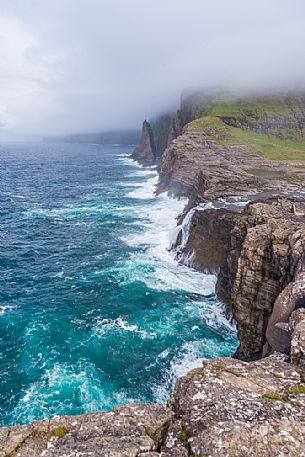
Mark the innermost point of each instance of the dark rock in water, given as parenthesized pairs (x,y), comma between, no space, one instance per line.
(208,241)
(145,153)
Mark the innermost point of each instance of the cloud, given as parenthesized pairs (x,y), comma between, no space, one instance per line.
(89,65)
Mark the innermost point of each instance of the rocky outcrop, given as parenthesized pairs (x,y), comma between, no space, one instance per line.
(266,258)
(178,121)
(127,431)
(227,408)
(233,408)
(145,152)
(198,166)
(259,255)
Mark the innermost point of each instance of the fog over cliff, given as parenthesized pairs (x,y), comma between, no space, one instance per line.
(89,65)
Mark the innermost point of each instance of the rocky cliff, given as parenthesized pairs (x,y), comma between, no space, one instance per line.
(258,254)
(241,165)
(227,408)
(256,251)
(145,152)
(167,127)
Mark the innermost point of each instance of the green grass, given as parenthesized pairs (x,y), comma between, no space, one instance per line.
(269,146)
(255,108)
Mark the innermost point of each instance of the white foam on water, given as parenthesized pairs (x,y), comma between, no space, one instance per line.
(104,326)
(126,160)
(76,211)
(158,215)
(188,358)
(144,172)
(6,309)
(156,266)
(58,386)
(146,190)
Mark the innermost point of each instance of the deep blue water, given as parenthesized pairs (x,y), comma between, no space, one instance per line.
(93,309)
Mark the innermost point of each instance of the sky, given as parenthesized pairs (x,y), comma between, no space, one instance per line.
(69,66)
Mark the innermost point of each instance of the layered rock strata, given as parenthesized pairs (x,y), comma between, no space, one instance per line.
(203,169)
(259,255)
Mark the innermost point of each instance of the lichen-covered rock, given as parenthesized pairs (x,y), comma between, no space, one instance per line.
(234,408)
(127,431)
(297,331)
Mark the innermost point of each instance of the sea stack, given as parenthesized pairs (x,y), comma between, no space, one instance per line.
(145,152)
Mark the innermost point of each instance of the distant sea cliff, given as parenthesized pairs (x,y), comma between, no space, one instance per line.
(128,137)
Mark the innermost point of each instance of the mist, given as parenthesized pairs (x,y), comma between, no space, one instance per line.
(69,66)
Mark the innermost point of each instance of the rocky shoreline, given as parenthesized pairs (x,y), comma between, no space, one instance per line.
(245,220)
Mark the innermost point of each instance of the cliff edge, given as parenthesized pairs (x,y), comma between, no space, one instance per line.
(227,408)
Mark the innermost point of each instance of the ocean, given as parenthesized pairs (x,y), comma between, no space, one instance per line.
(94,310)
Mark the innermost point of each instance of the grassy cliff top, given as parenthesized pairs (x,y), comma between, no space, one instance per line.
(270,146)
(258,107)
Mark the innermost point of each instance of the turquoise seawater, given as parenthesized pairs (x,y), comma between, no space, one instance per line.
(94,311)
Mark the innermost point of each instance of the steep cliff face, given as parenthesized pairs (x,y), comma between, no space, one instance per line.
(259,256)
(145,152)
(256,252)
(167,127)
(266,257)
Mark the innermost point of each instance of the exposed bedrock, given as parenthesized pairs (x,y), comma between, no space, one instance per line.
(225,408)
(259,256)
(206,163)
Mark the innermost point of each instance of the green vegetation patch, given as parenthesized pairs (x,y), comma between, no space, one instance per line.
(183,437)
(274,396)
(297,390)
(252,108)
(197,373)
(60,432)
(273,148)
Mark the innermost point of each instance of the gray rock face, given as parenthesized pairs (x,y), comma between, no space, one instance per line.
(226,408)
(297,331)
(145,153)
(233,408)
(267,250)
(127,431)
(259,256)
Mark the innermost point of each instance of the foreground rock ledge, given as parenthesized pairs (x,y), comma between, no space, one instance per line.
(226,408)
